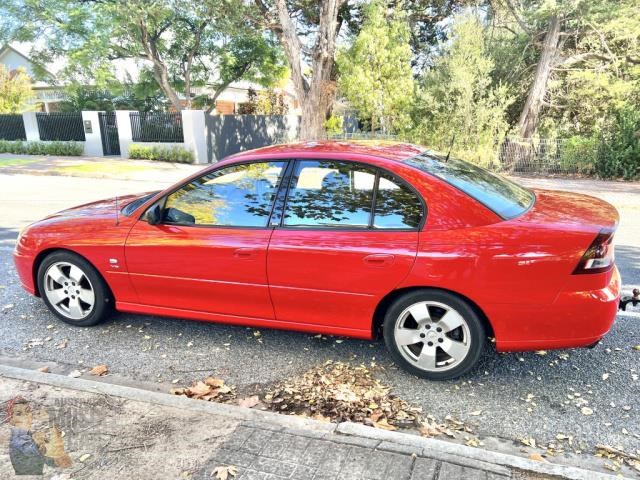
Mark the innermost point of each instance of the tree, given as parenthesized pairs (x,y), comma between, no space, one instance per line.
(456,106)
(15,90)
(315,88)
(183,43)
(578,42)
(375,72)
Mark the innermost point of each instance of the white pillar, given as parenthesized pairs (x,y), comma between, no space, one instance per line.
(93,140)
(124,131)
(195,136)
(31,126)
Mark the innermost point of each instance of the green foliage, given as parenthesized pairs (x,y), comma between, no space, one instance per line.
(15,90)
(375,72)
(70,149)
(579,154)
(334,125)
(457,107)
(160,153)
(619,152)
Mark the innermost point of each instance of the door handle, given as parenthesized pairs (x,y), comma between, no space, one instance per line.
(379,260)
(245,253)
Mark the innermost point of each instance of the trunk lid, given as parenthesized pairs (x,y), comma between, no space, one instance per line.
(571,209)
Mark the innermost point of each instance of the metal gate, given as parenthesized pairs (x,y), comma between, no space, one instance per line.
(109,133)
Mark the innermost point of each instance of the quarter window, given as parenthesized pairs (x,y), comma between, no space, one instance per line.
(397,207)
(238,196)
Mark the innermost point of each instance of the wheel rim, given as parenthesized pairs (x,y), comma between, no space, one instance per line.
(69,290)
(432,336)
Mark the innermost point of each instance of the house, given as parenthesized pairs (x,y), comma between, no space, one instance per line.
(49,92)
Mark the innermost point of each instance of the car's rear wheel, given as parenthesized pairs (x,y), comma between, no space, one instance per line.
(434,334)
(73,290)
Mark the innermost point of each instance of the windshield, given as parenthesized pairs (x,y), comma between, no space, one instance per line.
(504,197)
(131,207)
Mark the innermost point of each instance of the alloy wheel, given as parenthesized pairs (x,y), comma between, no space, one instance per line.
(69,290)
(432,336)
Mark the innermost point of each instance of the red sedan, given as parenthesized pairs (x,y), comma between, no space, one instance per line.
(355,239)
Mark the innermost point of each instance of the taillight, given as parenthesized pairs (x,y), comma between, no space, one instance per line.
(599,256)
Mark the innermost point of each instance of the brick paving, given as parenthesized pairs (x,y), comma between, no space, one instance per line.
(260,453)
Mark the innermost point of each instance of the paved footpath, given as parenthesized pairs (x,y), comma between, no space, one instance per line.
(95,430)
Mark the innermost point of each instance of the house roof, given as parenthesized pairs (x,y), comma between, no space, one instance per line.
(8,47)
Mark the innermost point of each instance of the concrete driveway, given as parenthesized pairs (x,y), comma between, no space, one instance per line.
(519,396)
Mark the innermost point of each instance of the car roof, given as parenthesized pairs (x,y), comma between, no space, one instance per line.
(391,150)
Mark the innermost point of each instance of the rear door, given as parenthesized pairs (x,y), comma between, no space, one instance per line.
(209,253)
(347,236)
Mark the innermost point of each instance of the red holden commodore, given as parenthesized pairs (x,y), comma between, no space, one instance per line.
(357,239)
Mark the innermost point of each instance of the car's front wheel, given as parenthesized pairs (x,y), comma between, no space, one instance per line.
(434,334)
(73,290)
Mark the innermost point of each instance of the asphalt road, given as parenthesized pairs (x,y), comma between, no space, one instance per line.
(519,395)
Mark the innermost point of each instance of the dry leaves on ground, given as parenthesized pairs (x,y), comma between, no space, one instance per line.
(249,402)
(223,472)
(618,457)
(211,389)
(341,392)
(99,370)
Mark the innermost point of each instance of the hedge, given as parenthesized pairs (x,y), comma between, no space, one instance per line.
(42,148)
(161,153)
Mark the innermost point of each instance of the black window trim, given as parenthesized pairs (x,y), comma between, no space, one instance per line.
(369,227)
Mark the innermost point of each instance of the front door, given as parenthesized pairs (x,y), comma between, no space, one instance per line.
(348,236)
(209,252)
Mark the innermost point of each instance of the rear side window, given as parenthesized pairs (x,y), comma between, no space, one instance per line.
(330,194)
(504,197)
(338,194)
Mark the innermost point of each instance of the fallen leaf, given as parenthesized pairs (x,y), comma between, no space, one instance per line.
(99,370)
(586,411)
(476,413)
(605,376)
(637,347)
(223,472)
(75,374)
(249,401)
(540,352)
(44,369)
(536,457)
(214,382)
(84,457)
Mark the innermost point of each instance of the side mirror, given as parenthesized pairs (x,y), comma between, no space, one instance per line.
(153,215)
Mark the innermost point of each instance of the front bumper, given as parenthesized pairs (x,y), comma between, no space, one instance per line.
(24,267)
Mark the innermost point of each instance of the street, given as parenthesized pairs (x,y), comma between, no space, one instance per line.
(518,396)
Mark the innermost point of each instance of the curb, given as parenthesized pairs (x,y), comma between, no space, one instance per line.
(428,447)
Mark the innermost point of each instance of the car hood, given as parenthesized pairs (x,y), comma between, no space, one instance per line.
(100,208)
(571,209)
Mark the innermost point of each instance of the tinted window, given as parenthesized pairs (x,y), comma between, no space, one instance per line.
(396,205)
(330,194)
(504,197)
(239,195)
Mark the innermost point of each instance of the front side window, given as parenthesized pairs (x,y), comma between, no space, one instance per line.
(236,196)
(330,194)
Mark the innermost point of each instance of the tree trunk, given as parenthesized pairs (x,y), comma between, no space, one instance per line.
(316,93)
(531,111)
(161,75)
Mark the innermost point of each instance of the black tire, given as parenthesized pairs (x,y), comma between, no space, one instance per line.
(103,304)
(475,332)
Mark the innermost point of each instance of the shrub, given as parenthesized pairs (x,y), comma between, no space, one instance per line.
(334,125)
(579,154)
(72,149)
(161,153)
(619,152)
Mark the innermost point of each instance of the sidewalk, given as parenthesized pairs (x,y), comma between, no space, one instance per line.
(96,167)
(95,430)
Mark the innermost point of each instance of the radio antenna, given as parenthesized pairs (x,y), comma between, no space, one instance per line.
(453,139)
(117,212)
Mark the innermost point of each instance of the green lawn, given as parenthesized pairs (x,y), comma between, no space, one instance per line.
(15,162)
(105,168)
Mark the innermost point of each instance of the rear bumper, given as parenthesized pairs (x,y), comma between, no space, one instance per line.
(24,267)
(574,319)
